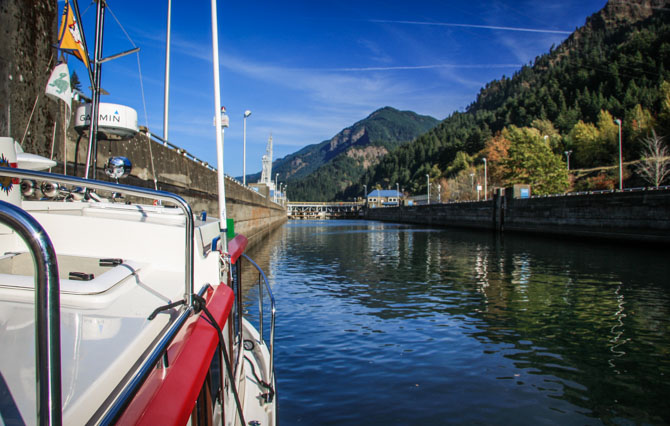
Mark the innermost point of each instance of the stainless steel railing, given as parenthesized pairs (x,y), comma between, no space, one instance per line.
(128,190)
(47,311)
(262,278)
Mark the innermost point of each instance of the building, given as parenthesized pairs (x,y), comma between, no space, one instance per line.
(384,198)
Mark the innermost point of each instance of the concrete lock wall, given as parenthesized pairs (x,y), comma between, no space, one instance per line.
(640,216)
(177,172)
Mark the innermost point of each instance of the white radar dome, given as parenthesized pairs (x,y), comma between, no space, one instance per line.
(115,121)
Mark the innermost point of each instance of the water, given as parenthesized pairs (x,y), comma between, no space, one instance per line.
(390,324)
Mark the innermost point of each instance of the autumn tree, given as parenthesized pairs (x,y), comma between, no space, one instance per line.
(495,151)
(595,145)
(531,161)
(549,132)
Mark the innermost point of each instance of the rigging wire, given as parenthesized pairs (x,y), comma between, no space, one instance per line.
(144,102)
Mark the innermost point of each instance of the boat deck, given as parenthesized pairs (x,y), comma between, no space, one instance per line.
(104,325)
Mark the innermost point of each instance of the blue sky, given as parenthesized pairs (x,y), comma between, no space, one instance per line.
(307,69)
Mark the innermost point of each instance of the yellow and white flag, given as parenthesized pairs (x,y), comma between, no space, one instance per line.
(69,35)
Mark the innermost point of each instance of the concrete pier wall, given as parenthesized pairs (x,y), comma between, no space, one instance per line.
(639,216)
(181,174)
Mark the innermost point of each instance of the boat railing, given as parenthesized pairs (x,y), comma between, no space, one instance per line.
(263,283)
(123,398)
(47,311)
(127,190)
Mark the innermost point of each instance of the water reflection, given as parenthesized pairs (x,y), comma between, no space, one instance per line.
(470,324)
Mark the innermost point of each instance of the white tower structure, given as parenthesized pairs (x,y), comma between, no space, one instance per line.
(266,175)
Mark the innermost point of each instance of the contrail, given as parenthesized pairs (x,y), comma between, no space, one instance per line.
(426,67)
(488,27)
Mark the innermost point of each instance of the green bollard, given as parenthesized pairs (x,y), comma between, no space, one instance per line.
(231,229)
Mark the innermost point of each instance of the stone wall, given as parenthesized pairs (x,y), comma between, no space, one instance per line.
(639,216)
(27,33)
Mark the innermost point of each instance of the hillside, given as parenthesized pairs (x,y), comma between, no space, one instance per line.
(613,66)
(317,172)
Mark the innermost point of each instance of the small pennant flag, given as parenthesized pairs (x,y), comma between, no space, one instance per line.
(58,86)
(69,35)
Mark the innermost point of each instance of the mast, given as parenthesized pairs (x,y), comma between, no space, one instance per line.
(91,159)
(167,73)
(223,226)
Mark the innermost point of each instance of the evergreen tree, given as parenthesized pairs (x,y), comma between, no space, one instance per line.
(75,83)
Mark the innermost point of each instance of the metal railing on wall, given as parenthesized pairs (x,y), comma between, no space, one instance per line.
(188,155)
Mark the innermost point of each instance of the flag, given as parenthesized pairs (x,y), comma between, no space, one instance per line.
(58,86)
(69,35)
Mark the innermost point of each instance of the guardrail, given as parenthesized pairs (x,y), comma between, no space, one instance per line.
(263,282)
(195,159)
(47,311)
(129,190)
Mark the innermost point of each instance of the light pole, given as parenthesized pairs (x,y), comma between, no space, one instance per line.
(567,155)
(428,186)
(472,182)
(276,176)
(247,113)
(397,190)
(618,122)
(485,180)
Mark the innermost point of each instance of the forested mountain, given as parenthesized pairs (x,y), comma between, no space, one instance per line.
(616,66)
(317,172)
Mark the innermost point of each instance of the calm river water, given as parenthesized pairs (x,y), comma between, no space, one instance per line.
(396,325)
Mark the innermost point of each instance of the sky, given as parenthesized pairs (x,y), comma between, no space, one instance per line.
(308,69)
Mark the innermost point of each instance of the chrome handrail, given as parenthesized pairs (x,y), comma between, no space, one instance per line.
(260,308)
(129,190)
(47,311)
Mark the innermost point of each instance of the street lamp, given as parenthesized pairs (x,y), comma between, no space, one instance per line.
(567,154)
(618,122)
(472,182)
(247,113)
(276,176)
(485,180)
(397,190)
(281,192)
(428,186)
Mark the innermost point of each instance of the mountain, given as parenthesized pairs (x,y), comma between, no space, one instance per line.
(317,172)
(616,65)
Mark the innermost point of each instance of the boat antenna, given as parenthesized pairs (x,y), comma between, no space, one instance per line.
(91,159)
(98,60)
(166,100)
(75,8)
(218,115)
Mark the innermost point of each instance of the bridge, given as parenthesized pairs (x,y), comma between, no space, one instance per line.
(333,210)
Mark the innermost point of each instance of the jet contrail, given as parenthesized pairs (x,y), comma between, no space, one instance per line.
(426,67)
(488,27)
